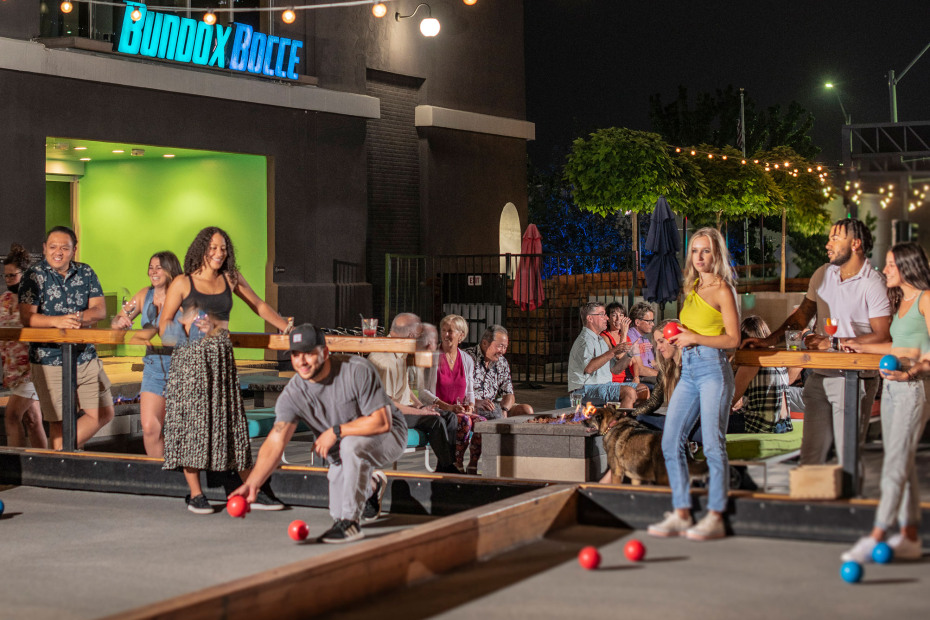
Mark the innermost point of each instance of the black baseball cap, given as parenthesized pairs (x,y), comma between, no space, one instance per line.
(305,338)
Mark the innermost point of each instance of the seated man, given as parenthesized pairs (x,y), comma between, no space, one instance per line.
(357,428)
(592,362)
(644,321)
(438,426)
(494,397)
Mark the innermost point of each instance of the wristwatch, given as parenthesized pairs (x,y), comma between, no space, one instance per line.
(337,431)
(505,409)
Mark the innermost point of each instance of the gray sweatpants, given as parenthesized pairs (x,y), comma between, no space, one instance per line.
(350,479)
(905,410)
(824,399)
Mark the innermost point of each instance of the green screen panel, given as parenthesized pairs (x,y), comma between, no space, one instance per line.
(130,209)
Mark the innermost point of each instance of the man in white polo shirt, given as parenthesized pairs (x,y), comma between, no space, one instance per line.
(849,290)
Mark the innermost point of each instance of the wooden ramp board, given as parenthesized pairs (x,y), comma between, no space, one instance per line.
(364,569)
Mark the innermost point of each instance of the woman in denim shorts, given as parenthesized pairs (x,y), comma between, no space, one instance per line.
(147,303)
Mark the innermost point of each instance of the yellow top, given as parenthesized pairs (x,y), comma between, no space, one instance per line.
(700,317)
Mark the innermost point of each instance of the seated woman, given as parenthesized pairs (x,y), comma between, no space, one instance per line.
(668,364)
(760,402)
(618,323)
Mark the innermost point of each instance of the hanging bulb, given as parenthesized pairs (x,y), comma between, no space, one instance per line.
(209,19)
(136,14)
(66,7)
(379,10)
(470,2)
(288,16)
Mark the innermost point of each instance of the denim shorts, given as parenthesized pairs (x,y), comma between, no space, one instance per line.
(155,373)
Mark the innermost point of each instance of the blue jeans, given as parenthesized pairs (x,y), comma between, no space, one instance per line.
(704,392)
(601,393)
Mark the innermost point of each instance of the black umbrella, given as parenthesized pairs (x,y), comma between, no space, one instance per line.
(663,274)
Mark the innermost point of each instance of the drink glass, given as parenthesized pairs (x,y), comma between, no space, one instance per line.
(576,398)
(369,327)
(793,339)
(830,326)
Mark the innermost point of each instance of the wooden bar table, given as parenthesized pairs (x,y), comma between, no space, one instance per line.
(851,364)
(72,341)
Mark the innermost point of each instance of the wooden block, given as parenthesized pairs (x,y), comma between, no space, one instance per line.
(816,482)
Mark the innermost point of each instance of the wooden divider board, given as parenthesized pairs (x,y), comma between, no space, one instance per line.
(369,567)
(834,360)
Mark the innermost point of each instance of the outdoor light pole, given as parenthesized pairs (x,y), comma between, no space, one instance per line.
(893,83)
(847,119)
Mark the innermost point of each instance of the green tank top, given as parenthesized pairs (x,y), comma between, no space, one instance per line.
(910,331)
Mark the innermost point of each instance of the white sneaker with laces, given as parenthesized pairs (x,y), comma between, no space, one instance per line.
(904,548)
(861,552)
(671,525)
(711,527)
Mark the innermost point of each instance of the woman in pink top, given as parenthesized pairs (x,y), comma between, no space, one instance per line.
(450,386)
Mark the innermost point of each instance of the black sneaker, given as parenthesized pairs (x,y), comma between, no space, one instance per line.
(199,505)
(372,508)
(263,501)
(342,531)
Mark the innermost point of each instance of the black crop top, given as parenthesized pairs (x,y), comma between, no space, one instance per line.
(218,305)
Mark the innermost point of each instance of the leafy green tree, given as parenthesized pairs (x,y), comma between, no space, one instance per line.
(734,189)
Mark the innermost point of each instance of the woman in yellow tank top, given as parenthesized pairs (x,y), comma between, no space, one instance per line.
(710,317)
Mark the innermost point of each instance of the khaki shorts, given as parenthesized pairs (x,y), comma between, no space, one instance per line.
(93,388)
(26,390)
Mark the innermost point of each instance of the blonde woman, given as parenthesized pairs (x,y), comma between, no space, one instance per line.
(710,324)
(450,387)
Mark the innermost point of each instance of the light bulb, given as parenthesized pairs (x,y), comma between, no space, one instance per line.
(379,10)
(66,7)
(209,19)
(288,16)
(429,27)
(470,2)
(136,15)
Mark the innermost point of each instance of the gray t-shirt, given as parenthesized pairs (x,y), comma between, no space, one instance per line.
(351,390)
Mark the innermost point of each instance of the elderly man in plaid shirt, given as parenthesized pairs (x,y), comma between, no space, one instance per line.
(494,396)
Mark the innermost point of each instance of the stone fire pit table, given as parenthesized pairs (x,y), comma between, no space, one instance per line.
(514,448)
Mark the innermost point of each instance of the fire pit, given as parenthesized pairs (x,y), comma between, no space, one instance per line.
(552,446)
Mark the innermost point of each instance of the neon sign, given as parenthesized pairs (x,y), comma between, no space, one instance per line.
(237,47)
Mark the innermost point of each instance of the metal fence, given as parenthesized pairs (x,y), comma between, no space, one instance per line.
(480,288)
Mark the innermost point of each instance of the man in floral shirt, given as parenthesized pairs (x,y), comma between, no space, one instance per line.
(494,396)
(61,293)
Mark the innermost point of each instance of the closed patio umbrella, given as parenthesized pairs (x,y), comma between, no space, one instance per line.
(527,285)
(663,274)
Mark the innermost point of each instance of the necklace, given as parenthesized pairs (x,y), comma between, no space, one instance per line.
(912,297)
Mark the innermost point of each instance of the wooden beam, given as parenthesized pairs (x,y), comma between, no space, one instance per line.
(834,360)
(317,585)
(245,340)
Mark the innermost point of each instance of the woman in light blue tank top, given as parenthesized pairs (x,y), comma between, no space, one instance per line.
(905,405)
(147,303)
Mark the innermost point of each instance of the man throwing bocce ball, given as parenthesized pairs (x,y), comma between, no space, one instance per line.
(357,429)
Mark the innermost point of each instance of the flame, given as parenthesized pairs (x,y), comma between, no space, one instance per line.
(589,410)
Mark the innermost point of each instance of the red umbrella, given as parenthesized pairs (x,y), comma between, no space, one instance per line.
(527,286)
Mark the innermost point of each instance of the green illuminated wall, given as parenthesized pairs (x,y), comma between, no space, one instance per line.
(128,210)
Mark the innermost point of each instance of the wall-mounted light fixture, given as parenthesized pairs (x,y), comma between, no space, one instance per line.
(429,27)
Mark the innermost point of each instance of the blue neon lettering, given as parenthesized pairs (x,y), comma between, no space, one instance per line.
(282,46)
(294,59)
(169,36)
(186,34)
(131,38)
(219,52)
(269,50)
(150,35)
(239,58)
(257,52)
(202,42)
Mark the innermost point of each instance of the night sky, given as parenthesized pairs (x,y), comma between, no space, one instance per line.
(594,63)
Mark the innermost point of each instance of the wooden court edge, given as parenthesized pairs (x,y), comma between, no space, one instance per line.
(364,569)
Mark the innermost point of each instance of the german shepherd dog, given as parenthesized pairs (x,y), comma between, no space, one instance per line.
(633,449)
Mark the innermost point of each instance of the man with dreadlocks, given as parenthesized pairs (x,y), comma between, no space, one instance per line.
(852,293)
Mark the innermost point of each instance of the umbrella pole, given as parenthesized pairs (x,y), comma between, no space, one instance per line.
(635,252)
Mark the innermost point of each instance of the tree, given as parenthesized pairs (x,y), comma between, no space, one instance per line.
(714,118)
(734,189)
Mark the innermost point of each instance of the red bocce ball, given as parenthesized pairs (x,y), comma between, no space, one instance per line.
(298,530)
(237,506)
(672,329)
(589,558)
(634,551)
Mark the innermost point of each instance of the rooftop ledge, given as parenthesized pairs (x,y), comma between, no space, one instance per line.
(94,61)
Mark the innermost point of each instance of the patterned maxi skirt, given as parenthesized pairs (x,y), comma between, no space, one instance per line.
(205,423)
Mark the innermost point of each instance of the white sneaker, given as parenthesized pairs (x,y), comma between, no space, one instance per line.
(904,548)
(672,525)
(711,527)
(861,552)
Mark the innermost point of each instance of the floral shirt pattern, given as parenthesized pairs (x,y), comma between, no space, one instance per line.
(55,295)
(491,382)
(15,355)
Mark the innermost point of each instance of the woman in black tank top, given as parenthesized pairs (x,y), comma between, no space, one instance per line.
(205,424)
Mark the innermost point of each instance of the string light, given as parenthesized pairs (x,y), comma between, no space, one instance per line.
(379,10)
(288,16)
(470,2)
(136,14)
(66,7)
(781,166)
(209,19)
